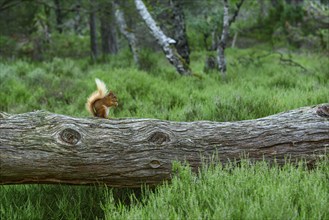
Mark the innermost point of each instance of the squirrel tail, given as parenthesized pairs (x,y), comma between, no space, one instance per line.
(99,94)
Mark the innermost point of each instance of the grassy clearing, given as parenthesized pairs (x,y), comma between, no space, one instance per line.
(258,85)
(253,89)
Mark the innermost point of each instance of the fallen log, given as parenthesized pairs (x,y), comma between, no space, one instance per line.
(41,147)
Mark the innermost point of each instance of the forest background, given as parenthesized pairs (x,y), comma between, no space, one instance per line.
(276,54)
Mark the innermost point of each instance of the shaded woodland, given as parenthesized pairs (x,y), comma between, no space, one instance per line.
(43,29)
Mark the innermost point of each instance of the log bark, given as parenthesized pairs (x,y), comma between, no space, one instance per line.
(166,43)
(41,147)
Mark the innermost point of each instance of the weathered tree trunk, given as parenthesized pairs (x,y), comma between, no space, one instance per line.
(179,30)
(129,35)
(166,43)
(222,43)
(93,31)
(40,147)
(227,21)
(108,31)
(59,16)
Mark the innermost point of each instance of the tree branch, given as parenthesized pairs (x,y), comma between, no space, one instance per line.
(236,12)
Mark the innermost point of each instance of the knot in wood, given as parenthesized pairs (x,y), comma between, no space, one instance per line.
(158,137)
(70,136)
(323,111)
(155,164)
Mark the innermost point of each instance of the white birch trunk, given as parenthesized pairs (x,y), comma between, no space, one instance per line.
(234,39)
(222,43)
(165,42)
(130,36)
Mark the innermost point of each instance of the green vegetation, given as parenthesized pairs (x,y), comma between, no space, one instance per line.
(246,191)
(258,84)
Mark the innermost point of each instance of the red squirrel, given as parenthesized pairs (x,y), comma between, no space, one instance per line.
(100,101)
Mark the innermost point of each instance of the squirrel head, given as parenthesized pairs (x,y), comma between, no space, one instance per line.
(111,99)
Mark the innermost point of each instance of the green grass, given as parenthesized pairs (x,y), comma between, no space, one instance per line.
(257,85)
(252,90)
(50,202)
(246,191)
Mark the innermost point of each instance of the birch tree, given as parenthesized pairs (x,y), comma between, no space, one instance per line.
(223,40)
(227,21)
(167,44)
(124,29)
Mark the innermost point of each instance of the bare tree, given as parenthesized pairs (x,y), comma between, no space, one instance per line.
(167,44)
(227,21)
(126,31)
(222,43)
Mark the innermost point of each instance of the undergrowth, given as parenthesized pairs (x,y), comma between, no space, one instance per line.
(258,88)
(244,191)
